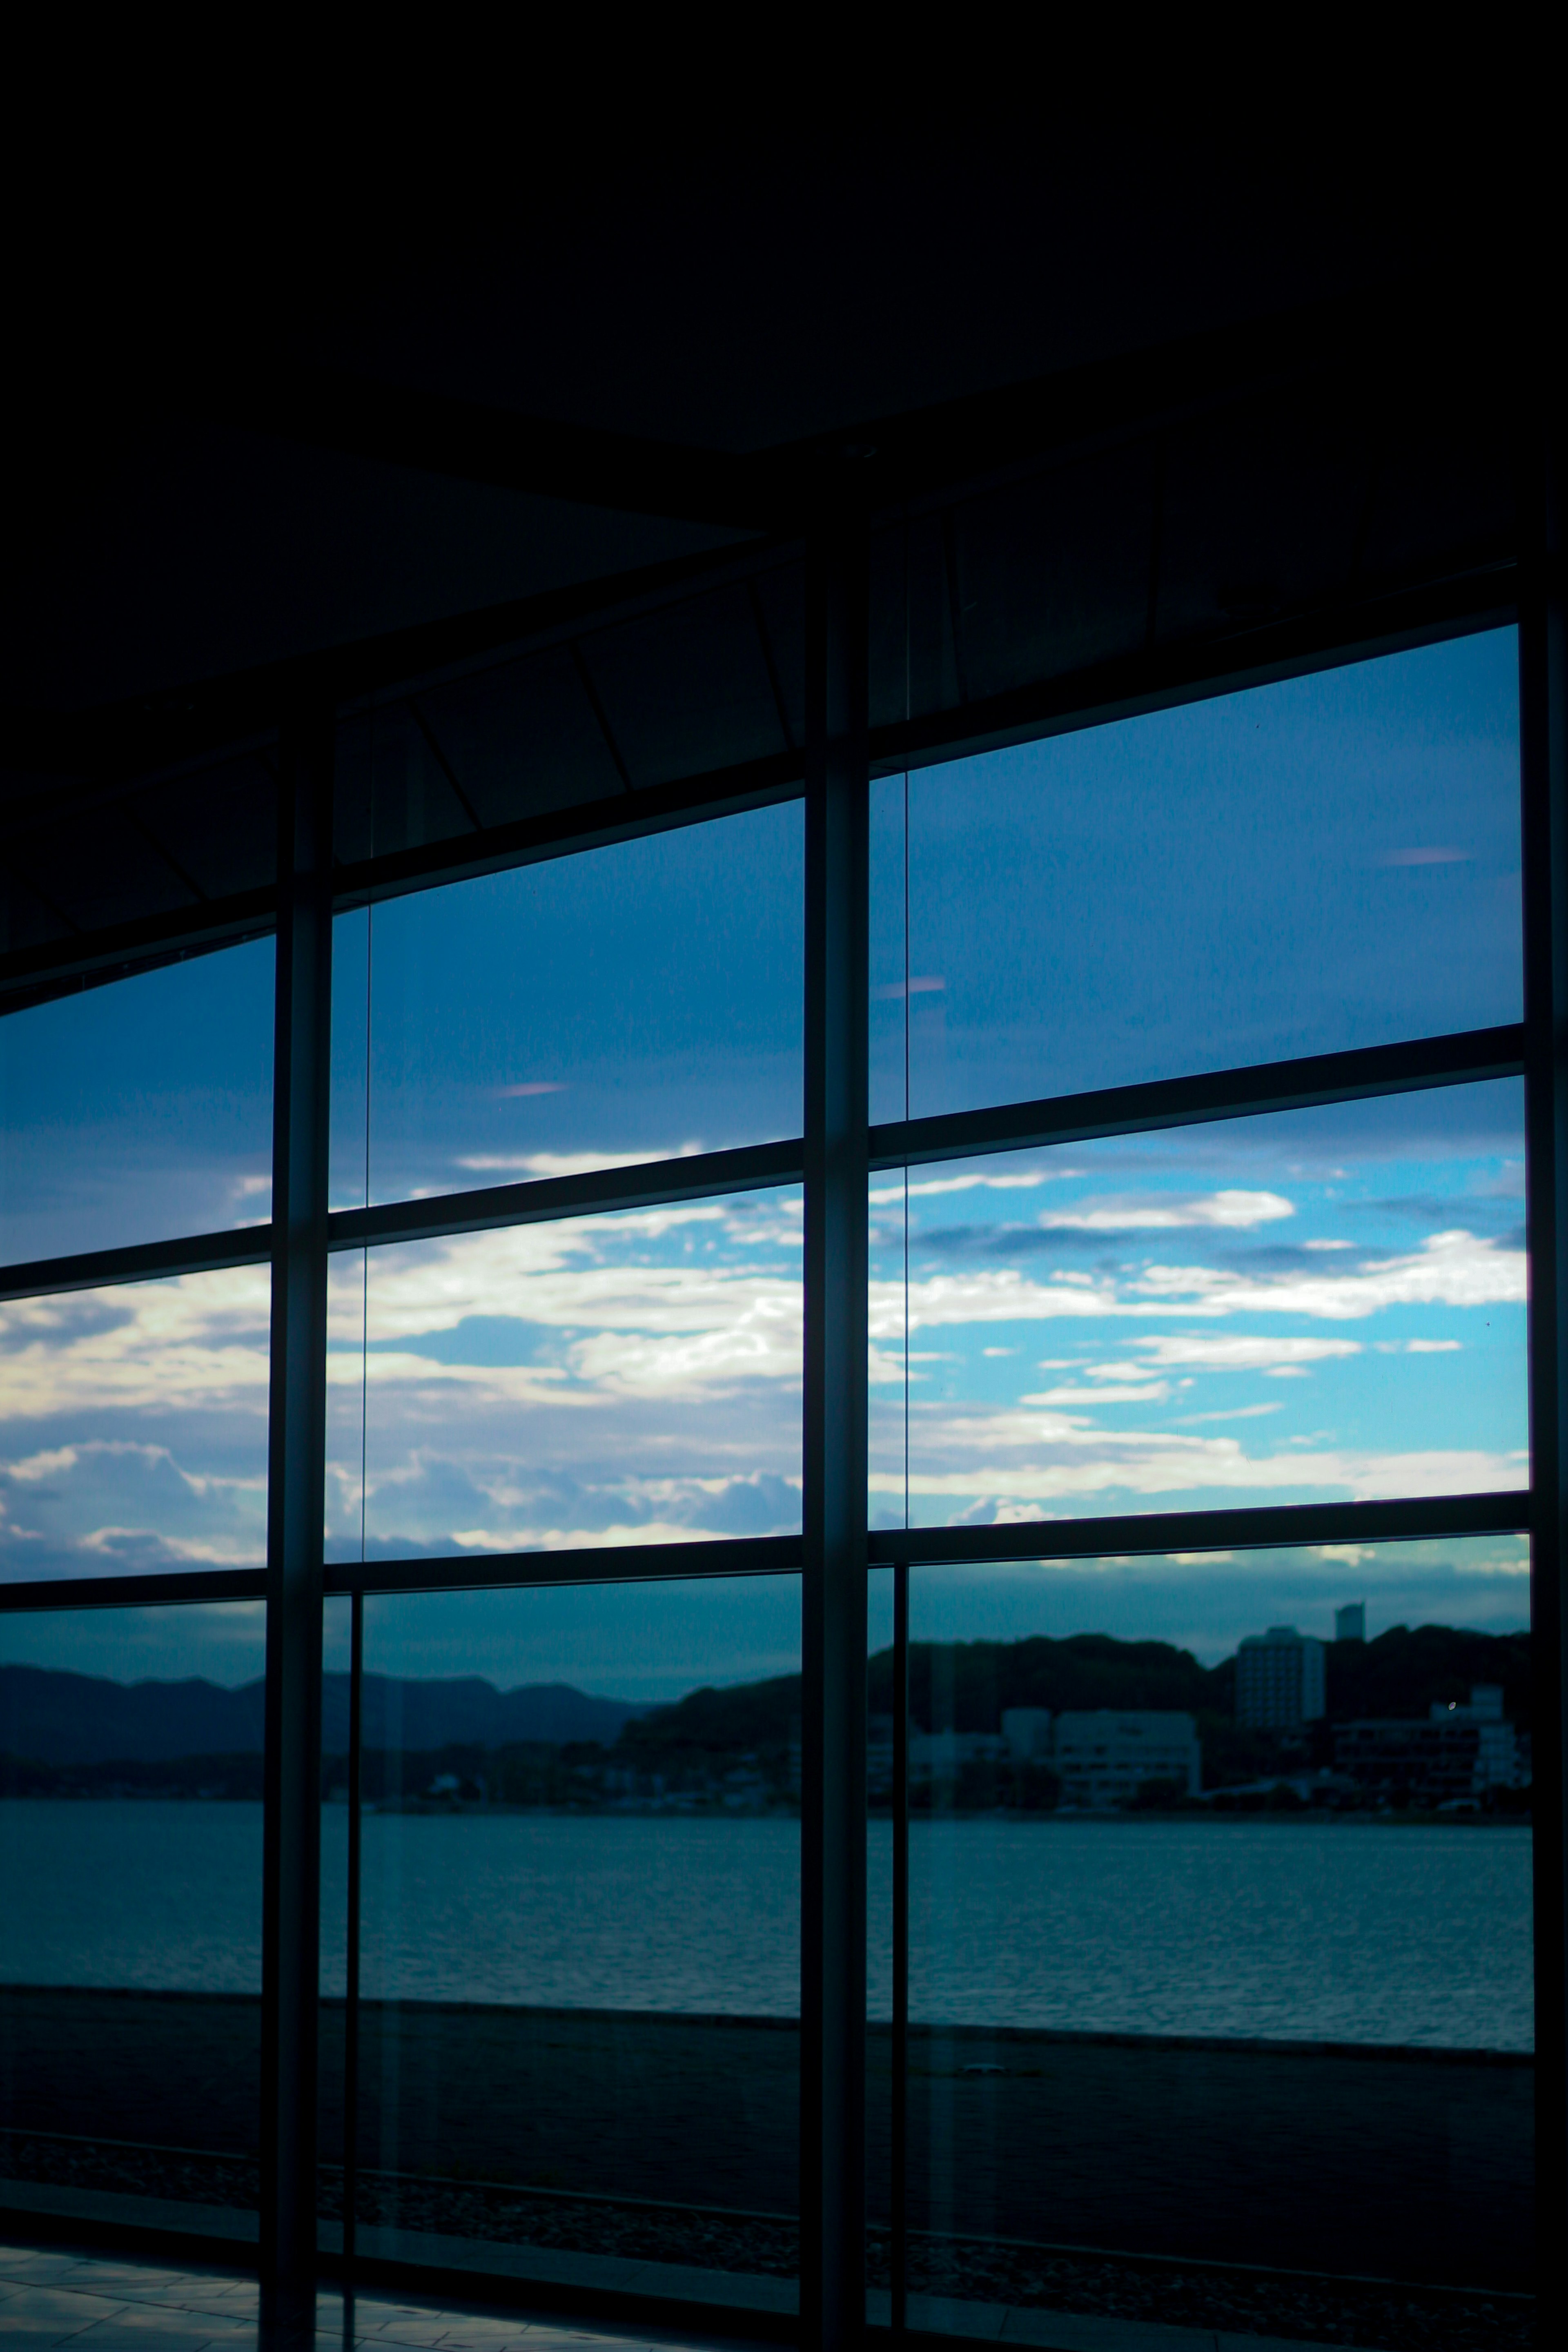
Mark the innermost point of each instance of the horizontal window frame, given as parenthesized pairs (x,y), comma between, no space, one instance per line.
(1464,1058)
(1263,1527)
(1271,1527)
(1305,1082)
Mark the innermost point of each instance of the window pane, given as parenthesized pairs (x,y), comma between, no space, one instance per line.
(581,1958)
(630,1003)
(333,2147)
(1188,1988)
(884,2110)
(139,1110)
(625,1379)
(133,1428)
(1293,1308)
(1269,874)
(131,1916)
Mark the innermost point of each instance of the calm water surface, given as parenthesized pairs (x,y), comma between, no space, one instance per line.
(1342,1931)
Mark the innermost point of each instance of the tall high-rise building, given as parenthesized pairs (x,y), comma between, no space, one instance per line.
(1280,1679)
(1350,1623)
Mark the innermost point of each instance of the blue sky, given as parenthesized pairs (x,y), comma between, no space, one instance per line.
(639,1000)
(139,1110)
(1327,863)
(1292,1308)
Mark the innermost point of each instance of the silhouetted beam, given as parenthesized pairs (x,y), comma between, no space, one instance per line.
(1381,346)
(472,442)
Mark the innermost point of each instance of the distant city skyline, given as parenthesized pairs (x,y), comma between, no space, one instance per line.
(652,1642)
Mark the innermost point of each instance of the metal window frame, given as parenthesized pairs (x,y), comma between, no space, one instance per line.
(833,1158)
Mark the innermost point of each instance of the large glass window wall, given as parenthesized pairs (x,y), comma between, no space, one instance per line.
(1198,1697)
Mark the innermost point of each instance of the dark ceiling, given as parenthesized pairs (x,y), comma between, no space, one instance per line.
(512,458)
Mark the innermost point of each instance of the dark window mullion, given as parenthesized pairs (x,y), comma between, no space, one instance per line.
(1543,742)
(833,1600)
(291,1938)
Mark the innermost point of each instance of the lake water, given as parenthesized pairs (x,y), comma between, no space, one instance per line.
(1349,1931)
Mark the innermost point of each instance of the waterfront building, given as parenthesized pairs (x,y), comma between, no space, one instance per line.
(937,1757)
(1457,1752)
(1105,1756)
(1027,1732)
(1280,1680)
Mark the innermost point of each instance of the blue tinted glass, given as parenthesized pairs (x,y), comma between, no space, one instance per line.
(133,1428)
(1296,1308)
(1327,863)
(581,1934)
(629,1002)
(131,1763)
(625,1379)
(1140,1896)
(139,1110)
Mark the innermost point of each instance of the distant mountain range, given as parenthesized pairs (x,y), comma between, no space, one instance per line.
(48,1717)
(51,1717)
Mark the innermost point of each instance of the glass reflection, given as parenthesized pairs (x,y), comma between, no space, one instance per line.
(139,1110)
(1264,875)
(595,1381)
(1295,1308)
(131,1754)
(580,1941)
(1194,1977)
(133,1428)
(627,1003)
(338,1923)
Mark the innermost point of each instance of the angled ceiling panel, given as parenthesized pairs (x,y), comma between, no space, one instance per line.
(1262,512)
(779,594)
(1050,575)
(523,739)
(391,791)
(914,664)
(686,691)
(102,871)
(26,921)
(218,826)
(1443,495)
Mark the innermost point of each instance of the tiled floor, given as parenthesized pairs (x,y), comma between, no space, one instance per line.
(101,2305)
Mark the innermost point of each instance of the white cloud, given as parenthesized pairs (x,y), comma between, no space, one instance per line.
(564,1163)
(1450,1269)
(1144,1213)
(534,1537)
(928,1187)
(1236,1352)
(1152,1392)
(48,1465)
(1086,1461)
(1231,1413)
(994,1295)
(200,1343)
